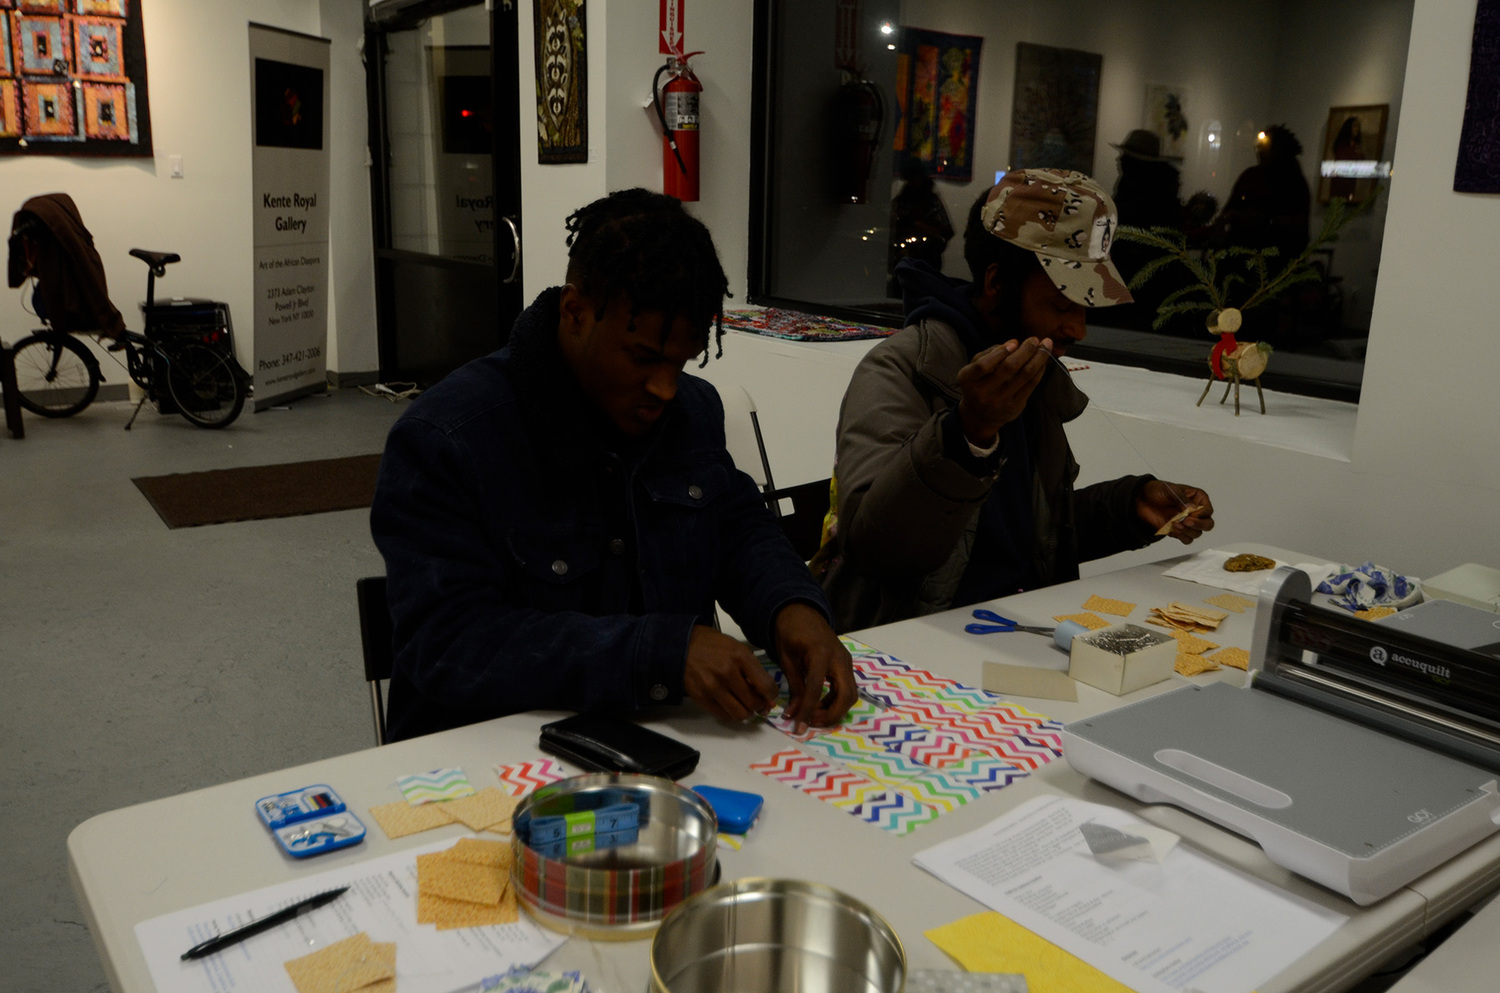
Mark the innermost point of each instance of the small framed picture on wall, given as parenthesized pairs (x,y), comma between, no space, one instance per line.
(1354,134)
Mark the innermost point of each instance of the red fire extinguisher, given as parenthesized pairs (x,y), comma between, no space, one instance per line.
(677,110)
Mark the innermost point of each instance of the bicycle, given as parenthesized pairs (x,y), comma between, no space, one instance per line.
(189,370)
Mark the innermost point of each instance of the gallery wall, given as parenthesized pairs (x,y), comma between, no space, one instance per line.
(199,79)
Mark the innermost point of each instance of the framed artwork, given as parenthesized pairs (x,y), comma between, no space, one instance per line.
(1478,167)
(1354,134)
(288,105)
(937,93)
(1055,116)
(562,92)
(73,78)
(1166,117)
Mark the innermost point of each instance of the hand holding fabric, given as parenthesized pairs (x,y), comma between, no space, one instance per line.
(725,678)
(812,656)
(1160,502)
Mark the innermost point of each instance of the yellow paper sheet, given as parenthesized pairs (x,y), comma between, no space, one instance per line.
(991,942)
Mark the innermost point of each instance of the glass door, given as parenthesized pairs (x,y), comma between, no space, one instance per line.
(446,184)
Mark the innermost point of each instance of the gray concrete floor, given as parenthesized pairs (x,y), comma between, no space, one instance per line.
(139,662)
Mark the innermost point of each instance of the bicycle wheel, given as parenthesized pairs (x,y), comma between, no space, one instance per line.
(204,386)
(56,375)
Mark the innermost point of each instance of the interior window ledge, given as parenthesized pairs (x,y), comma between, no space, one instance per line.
(1312,425)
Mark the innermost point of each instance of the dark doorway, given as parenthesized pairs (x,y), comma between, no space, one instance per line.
(445,133)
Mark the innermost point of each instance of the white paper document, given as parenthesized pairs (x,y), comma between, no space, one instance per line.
(382,901)
(1184,924)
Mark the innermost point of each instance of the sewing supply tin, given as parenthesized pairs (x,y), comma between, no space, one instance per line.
(618,891)
(310,820)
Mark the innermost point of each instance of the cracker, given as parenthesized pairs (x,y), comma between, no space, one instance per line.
(1091,621)
(400,819)
(479,852)
(351,964)
(1192,665)
(439,875)
(1107,606)
(1236,658)
(489,809)
(1230,601)
(1375,613)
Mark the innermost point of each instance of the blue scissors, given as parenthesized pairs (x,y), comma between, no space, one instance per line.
(1002,624)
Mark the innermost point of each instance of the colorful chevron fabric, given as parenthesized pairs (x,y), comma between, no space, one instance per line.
(523,777)
(917,746)
(439,784)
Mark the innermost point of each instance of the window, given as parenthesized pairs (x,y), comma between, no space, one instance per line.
(848,90)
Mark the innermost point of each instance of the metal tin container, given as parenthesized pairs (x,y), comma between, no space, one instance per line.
(776,936)
(619,892)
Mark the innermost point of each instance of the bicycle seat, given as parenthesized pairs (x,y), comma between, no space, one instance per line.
(156,260)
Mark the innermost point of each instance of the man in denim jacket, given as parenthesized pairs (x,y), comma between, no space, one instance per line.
(558,518)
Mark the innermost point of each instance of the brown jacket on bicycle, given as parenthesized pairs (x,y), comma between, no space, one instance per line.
(48,241)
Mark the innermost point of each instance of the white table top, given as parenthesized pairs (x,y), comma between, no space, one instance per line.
(139,862)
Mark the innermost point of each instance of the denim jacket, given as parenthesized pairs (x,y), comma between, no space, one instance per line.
(534,561)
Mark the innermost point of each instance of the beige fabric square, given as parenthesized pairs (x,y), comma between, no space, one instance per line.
(448,914)
(344,966)
(400,819)
(1192,665)
(1091,621)
(481,852)
(1231,601)
(1105,605)
(1237,658)
(485,810)
(1192,645)
(439,875)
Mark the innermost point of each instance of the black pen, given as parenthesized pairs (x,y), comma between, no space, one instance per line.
(265,923)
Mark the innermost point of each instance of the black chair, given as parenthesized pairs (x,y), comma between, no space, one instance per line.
(375,637)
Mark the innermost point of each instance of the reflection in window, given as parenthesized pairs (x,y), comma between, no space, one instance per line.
(1166,99)
(440,124)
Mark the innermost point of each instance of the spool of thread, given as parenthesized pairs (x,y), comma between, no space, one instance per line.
(1065,632)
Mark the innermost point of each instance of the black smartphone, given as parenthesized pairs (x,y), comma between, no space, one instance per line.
(607,743)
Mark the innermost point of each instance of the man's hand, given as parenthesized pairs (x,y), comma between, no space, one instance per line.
(725,678)
(1159,502)
(811,655)
(996,385)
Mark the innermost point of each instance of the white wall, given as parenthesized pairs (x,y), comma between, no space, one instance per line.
(199,88)
(625,142)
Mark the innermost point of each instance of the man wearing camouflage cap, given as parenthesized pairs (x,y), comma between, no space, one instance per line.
(953,479)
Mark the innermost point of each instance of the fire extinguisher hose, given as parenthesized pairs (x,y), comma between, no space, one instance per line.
(662,116)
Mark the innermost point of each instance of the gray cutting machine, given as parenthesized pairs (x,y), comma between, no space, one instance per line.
(1360,755)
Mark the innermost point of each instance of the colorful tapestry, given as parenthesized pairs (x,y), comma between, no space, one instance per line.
(937,93)
(73,78)
(1056,108)
(562,92)
(916,746)
(796,326)
(1478,169)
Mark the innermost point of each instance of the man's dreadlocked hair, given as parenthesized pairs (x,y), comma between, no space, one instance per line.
(645,246)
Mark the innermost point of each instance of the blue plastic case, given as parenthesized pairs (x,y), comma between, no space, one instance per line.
(735,809)
(309,821)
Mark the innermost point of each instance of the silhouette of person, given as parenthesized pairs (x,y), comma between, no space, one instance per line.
(1349,145)
(1146,195)
(920,228)
(1270,204)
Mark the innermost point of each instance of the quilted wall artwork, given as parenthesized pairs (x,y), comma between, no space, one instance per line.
(73,78)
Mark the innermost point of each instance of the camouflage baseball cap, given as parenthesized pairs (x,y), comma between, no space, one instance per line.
(1069,222)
